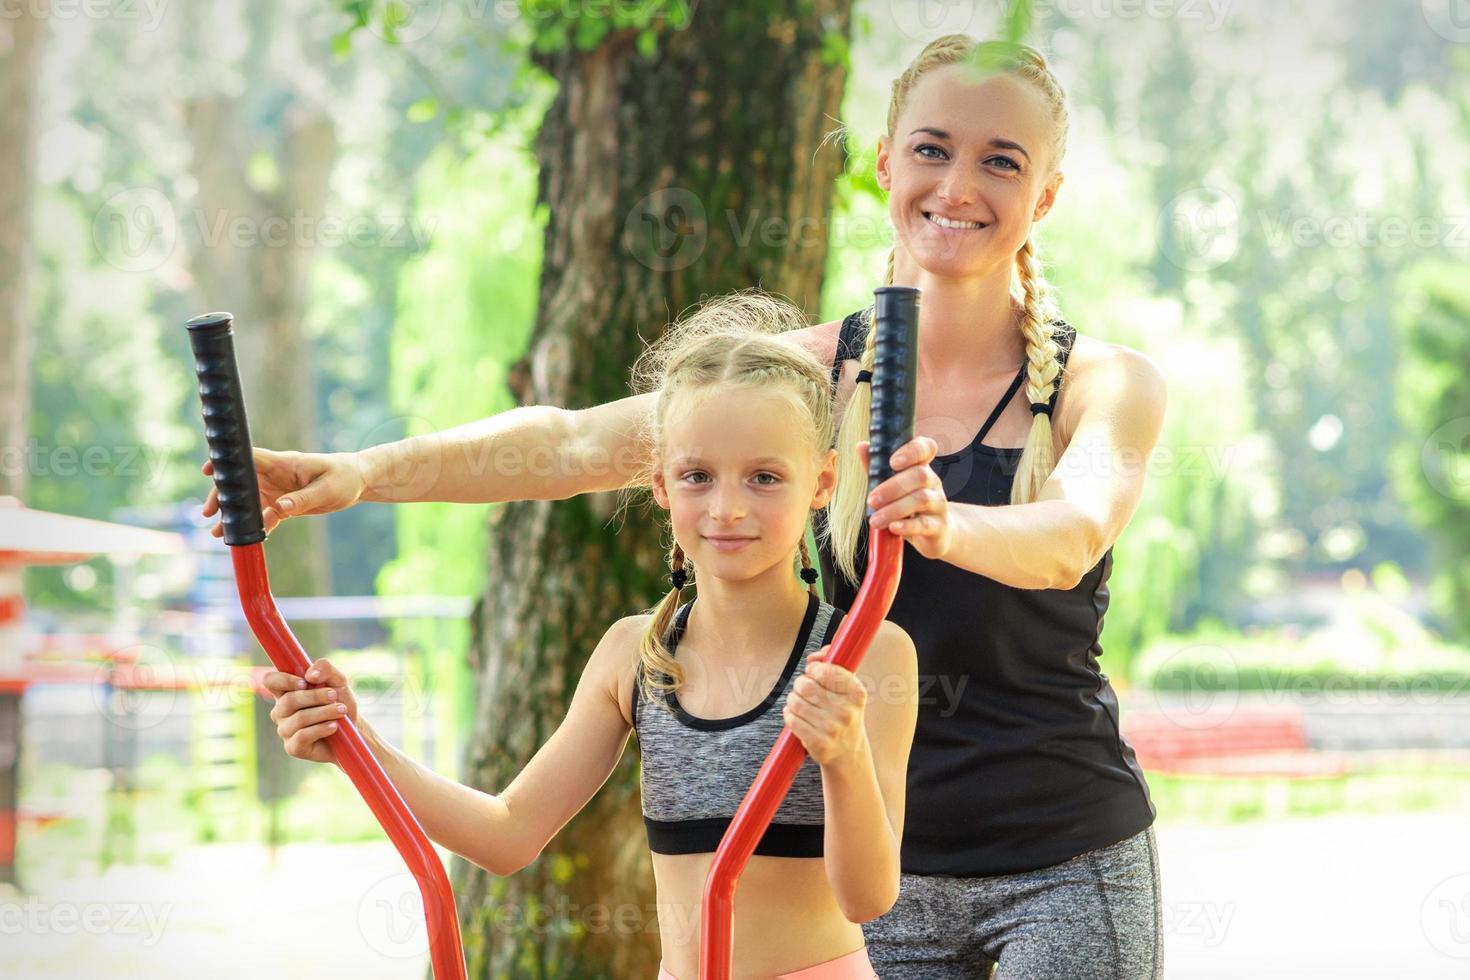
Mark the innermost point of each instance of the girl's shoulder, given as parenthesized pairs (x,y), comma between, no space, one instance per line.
(620,669)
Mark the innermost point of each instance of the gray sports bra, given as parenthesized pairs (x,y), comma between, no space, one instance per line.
(695,771)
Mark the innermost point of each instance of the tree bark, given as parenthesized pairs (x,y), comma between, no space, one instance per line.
(667,179)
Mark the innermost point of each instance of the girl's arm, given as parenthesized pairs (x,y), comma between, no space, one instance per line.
(501,833)
(862,742)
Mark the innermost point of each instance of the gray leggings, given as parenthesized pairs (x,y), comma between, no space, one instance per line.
(1095,916)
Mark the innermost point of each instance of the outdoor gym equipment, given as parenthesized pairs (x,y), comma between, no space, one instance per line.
(896,320)
(228,437)
(896,317)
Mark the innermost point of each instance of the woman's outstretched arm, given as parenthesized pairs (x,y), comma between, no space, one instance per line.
(535,452)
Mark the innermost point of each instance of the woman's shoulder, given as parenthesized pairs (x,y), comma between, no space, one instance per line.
(1099,369)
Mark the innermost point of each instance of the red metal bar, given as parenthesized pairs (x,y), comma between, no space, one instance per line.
(763,799)
(285,651)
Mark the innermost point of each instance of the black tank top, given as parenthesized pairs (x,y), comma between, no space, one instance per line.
(1018,762)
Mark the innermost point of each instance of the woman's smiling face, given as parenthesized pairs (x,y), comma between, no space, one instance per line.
(968,169)
(739,477)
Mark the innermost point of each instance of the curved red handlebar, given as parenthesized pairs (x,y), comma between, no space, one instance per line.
(445,949)
(763,799)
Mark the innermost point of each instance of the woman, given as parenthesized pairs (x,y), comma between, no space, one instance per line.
(1028,836)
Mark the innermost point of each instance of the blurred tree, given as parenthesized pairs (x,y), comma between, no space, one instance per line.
(261,161)
(22,36)
(1433,464)
(262,155)
(675,161)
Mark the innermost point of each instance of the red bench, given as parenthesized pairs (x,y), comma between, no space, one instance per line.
(1236,742)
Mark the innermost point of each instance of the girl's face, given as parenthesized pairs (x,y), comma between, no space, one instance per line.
(739,478)
(967,170)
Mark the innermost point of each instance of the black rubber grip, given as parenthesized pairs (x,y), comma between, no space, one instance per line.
(225,429)
(895,372)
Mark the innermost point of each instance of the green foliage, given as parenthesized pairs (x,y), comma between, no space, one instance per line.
(466,309)
(1432,465)
(108,381)
(1371,647)
(1228,799)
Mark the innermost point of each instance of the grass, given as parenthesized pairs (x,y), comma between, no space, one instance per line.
(1227,799)
(158,817)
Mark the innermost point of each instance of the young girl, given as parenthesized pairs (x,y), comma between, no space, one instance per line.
(1029,839)
(741,435)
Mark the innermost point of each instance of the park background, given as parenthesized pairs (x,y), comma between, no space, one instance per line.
(424,213)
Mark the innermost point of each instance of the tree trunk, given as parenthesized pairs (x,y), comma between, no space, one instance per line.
(253,257)
(667,179)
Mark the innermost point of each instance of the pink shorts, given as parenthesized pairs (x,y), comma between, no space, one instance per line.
(853,966)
